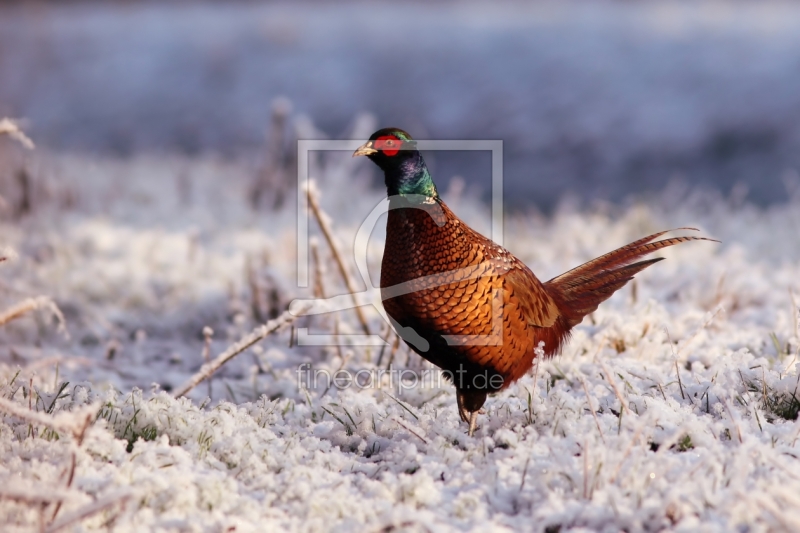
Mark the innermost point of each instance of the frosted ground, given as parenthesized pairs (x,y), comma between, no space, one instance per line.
(673,408)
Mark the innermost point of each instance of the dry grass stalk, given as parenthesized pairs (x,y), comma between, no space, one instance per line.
(33,304)
(42,495)
(388,331)
(49,362)
(264,296)
(319,270)
(705,325)
(258,334)
(420,437)
(75,423)
(207,334)
(677,370)
(586,469)
(627,452)
(524,473)
(88,510)
(322,220)
(538,362)
(70,478)
(256,300)
(344,360)
(25,204)
(795,313)
(319,291)
(680,383)
(273,177)
(733,419)
(613,384)
(395,346)
(10,128)
(591,408)
(338,345)
(319,273)
(769,503)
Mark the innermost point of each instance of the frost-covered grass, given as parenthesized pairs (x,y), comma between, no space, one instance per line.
(673,407)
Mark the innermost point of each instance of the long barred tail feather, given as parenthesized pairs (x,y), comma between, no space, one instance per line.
(579,291)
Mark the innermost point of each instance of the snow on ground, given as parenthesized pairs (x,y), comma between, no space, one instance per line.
(673,408)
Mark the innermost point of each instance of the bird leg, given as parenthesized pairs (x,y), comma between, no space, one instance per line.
(463,412)
(469,405)
(473,422)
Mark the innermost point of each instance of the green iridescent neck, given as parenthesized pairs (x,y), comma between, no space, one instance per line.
(411,177)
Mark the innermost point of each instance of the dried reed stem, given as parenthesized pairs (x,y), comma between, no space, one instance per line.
(322,220)
(32,304)
(10,128)
(319,270)
(258,334)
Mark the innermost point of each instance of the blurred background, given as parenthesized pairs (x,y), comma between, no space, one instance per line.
(598,100)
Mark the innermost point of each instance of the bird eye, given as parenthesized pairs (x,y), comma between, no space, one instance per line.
(388,144)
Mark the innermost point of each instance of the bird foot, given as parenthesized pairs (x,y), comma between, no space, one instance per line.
(469,408)
(462,410)
(473,422)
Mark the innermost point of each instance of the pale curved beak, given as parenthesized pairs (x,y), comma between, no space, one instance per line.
(365,149)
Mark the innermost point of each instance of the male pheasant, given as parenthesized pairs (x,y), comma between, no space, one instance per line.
(465,303)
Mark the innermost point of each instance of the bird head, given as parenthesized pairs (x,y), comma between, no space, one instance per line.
(388,147)
(395,152)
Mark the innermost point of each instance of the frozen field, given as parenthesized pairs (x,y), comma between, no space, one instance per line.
(672,409)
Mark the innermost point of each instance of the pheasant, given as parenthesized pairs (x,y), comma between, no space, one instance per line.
(465,303)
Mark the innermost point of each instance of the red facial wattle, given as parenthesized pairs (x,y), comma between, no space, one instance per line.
(388,144)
